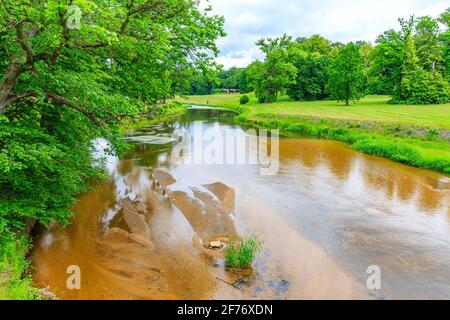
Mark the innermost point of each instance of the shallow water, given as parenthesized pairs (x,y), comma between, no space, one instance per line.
(328,215)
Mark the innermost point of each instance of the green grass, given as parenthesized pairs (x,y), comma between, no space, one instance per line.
(15,283)
(372,126)
(240,256)
(371,108)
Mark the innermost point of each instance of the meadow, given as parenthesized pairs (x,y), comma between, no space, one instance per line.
(372,108)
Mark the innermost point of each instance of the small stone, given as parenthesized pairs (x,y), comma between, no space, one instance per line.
(215,245)
(46,294)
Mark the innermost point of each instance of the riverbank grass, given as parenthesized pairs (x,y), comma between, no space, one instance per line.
(15,282)
(240,256)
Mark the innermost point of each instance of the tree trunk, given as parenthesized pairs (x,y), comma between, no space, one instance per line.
(347,93)
(12,74)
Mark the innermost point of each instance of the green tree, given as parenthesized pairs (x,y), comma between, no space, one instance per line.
(272,77)
(429,47)
(71,74)
(408,64)
(444,37)
(386,64)
(347,75)
(419,85)
(310,56)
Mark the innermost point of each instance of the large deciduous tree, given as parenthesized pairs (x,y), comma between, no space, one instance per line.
(346,81)
(272,77)
(70,71)
(310,56)
(411,64)
(119,51)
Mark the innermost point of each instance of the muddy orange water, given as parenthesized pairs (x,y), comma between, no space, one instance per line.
(328,215)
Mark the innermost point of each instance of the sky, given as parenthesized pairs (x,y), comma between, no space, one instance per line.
(246,21)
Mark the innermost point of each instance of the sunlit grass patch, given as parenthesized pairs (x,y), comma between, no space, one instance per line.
(15,283)
(241,255)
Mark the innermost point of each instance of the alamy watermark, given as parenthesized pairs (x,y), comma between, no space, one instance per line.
(374,279)
(74,280)
(73,18)
(216,146)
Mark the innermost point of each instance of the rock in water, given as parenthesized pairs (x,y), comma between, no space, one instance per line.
(215,245)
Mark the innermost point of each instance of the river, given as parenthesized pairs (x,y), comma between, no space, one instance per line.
(327,216)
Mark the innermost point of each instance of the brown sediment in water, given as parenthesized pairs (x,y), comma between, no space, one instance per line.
(312,273)
(328,215)
(148,254)
(154,254)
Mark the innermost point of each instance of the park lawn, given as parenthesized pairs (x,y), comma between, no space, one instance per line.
(372,108)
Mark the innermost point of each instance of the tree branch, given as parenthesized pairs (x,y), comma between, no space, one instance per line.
(100,122)
(70,104)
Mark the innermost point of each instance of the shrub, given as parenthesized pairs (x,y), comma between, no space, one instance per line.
(15,282)
(241,255)
(244,99)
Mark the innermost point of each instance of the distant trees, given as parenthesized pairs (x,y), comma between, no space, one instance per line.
(311,59)
(234,78)
(444,37)
(270,78)
(203,83)
(346,75)
(411,64)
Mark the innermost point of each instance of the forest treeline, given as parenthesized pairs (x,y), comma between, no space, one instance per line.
(411,64)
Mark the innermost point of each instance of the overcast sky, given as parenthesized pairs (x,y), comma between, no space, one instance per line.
(338,20)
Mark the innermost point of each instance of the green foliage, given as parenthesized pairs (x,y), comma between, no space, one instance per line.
(202,84)
(421,87)
(63,85)
(240,256)
(412,64)
(387,59)
(15,283)
(244,99)
(312,62)
(444,37)
(428,45)
(45,160)
(235,78)
(347,75)
(270,78)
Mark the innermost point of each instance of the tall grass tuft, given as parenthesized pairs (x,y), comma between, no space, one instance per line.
(240,256)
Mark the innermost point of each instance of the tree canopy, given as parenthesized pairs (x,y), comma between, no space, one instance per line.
(347,75)
(72,71)
(411,64)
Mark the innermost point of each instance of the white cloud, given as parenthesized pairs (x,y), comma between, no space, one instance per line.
(338,20)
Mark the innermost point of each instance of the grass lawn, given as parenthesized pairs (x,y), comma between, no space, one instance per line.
(371,108)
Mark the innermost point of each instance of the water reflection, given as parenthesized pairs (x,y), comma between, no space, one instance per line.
(325,217)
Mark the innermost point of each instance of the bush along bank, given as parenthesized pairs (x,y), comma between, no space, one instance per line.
(408,146)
